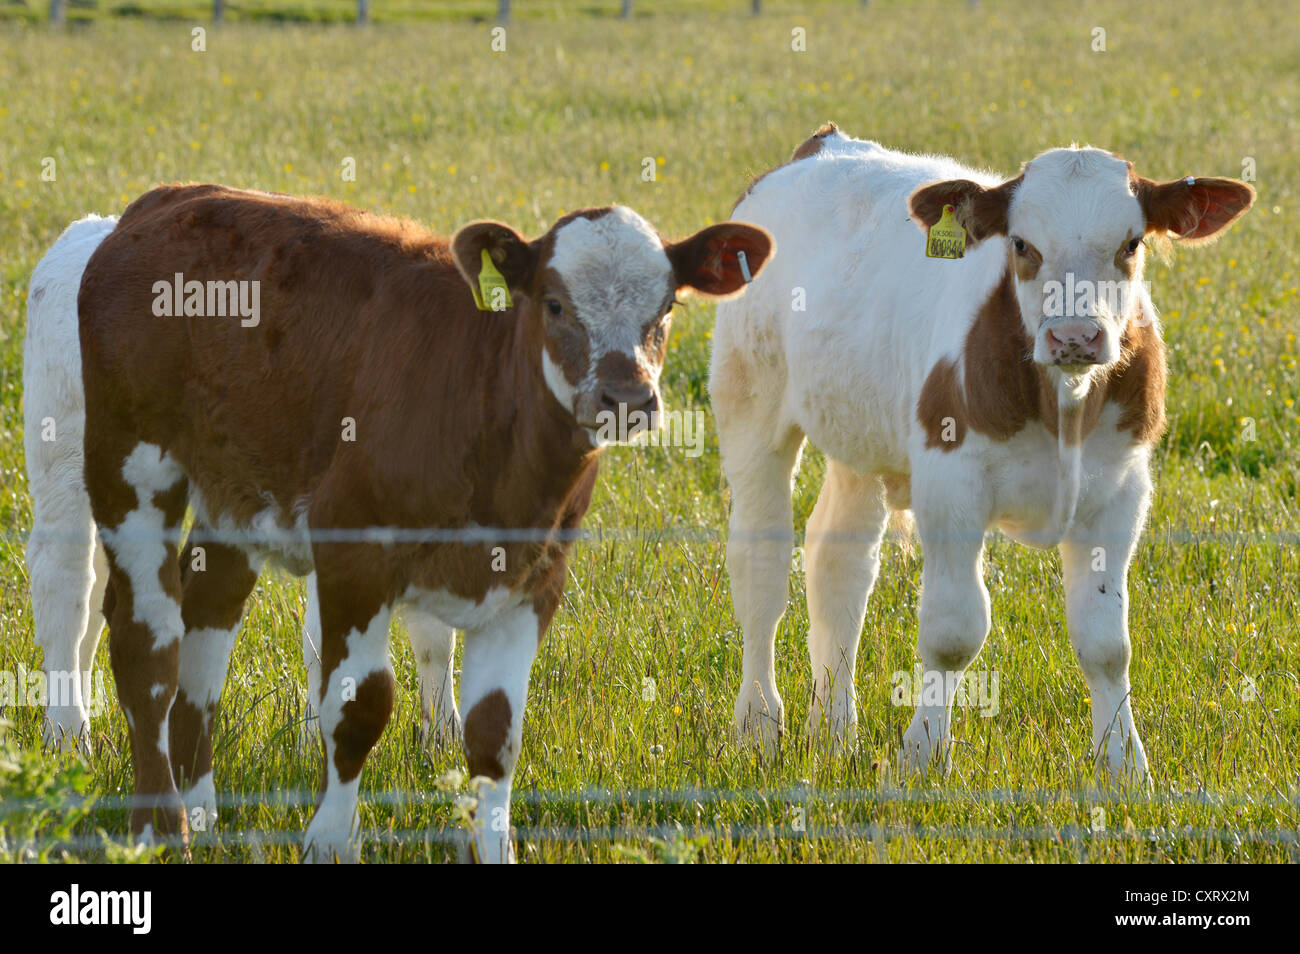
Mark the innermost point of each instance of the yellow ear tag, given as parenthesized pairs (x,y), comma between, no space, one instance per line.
(946,239)
(492,294)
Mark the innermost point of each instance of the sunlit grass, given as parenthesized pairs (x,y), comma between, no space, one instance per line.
(444,130)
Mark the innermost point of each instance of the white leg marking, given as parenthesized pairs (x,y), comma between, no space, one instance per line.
(332,833)
(139,543)
(498,658)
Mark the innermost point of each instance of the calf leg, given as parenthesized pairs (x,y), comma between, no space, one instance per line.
(311,662)
(1094,562)
(95,628)
(759,544)
(494,688)
(356,695)
(842,558)
(59,561)
(215,584)
(954,621)
(434,643)
(139,502)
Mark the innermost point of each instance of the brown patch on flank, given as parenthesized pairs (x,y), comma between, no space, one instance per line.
(809,147)
(487,730)
(363,723)
(1004,389)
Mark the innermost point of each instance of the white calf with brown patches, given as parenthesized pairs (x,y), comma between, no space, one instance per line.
(465,420)
(967,390)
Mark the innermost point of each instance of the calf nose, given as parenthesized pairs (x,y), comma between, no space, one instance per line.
(634,395)
(1074,342)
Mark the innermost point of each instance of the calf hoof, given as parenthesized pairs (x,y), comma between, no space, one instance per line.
(1127,771)
(442,731)
(307,735)
(158,819)
(201,809)
(327,849)
(924,751)
(837,730)
(487,851)
(760,719)
(67,730)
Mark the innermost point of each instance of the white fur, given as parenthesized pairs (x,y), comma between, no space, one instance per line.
(139,542)
(332,833)
(618,275)
(65,560)
(498,655)
(847,373)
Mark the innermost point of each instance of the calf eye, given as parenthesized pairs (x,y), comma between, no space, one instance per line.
(1132,247)
(554,307)
(1019,244)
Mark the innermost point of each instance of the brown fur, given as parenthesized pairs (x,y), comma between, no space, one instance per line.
(981,211)
(361,317)
(1004,390)
(487,729)
(1192,212)
(211,599)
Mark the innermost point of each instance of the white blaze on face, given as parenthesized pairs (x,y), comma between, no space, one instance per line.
(618,277)
(1075,207)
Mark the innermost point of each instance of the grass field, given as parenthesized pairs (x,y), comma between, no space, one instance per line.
(444,130)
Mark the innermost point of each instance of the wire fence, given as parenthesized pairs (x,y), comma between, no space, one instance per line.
(785,799)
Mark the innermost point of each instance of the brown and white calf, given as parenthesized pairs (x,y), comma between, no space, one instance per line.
(65,557)
(371,424)
(1019,387)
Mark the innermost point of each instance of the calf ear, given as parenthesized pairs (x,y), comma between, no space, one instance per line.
(514,257)
(981,211)
(709,261)
(1192,209)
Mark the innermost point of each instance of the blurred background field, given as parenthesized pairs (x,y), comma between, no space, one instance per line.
(443,129)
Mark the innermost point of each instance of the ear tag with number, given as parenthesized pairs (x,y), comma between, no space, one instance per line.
(946,239)
(492,293)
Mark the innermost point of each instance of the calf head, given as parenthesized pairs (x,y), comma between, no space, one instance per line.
(601,285)
(1074,222)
